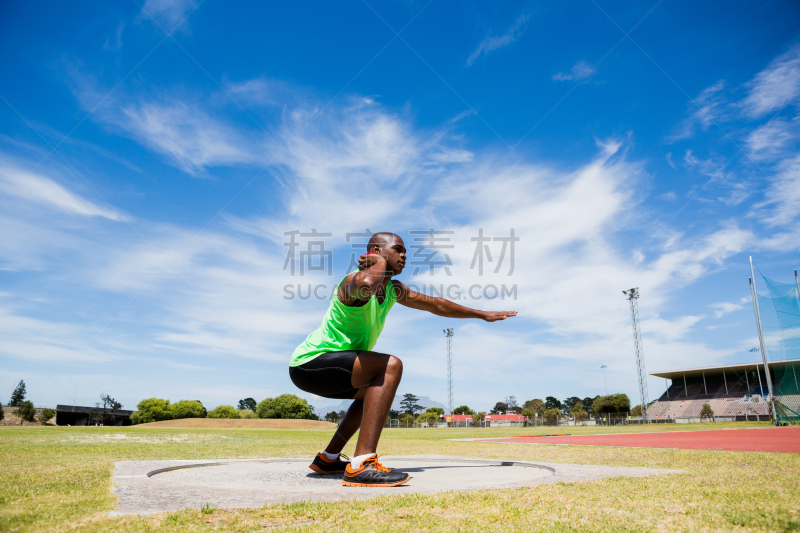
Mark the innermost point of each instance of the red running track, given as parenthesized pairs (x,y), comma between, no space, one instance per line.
(785,440)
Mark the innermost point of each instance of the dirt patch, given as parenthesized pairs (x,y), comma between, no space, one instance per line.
(232,423)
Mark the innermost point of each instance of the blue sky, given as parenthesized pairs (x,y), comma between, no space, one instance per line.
(153,155)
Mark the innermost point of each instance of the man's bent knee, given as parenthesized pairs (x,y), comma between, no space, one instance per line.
(394,366)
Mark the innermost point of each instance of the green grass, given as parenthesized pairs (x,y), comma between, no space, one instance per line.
(59,479)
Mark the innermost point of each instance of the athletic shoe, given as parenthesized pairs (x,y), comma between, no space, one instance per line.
(323,465)
(373,474)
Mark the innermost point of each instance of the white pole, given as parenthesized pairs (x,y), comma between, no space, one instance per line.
(797,284)
(761,341)
(747,380)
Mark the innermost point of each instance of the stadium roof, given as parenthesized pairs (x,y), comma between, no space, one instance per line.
(671,374)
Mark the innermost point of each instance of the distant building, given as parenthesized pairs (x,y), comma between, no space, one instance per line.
(735,392)
(78,415)
(491,420)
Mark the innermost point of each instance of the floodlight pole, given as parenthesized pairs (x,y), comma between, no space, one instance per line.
(449,334)
(754,295)
(633,297)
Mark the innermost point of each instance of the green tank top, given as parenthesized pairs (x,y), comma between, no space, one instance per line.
(346,328)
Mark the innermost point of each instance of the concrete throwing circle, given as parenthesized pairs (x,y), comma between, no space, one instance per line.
(156,486)
(281,477)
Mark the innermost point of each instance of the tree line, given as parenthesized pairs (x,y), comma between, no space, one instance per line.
(24,408)
(283,406)
(551,409)
(407,414)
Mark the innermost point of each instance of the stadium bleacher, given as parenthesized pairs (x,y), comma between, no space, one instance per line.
(733,391)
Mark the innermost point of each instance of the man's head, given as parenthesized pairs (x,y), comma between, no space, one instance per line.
(392,248)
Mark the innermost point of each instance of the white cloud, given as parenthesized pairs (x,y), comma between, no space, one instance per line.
(735,189)
(670,196)
(783,194)
(491,43)
(43,191)
(117,41)
(580,70)
(723,308)
(184,129)
(772,139)
(775,86)
(167,13)
(263,91)
(707,108)
(191,138)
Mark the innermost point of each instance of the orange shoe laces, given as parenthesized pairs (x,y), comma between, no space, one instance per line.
(377,466)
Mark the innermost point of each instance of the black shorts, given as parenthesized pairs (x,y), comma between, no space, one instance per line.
(328,375)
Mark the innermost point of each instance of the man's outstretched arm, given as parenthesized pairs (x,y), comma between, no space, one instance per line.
(442,306)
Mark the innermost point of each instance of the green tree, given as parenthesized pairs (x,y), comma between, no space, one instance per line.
(499,408)
(102,414)
(637,410)
(463,410)
(17,395)
(511,403)
(707,412)
(429,417)
(613,403)
(224,411)
(2,412)
(578,412)
(552,415)
(406,420)
(535,405)
(247,413)
(438,410)
(409,404)
(284,406)
(46,415)
(551,402)
(187,409)
(477,418)
(333,416)
(151,410)
(248,403)
(109,402)
(26,411)
(587,403)
(569,403)
(394,414)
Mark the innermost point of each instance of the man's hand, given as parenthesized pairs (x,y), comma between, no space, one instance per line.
(494,316)
(368,260)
